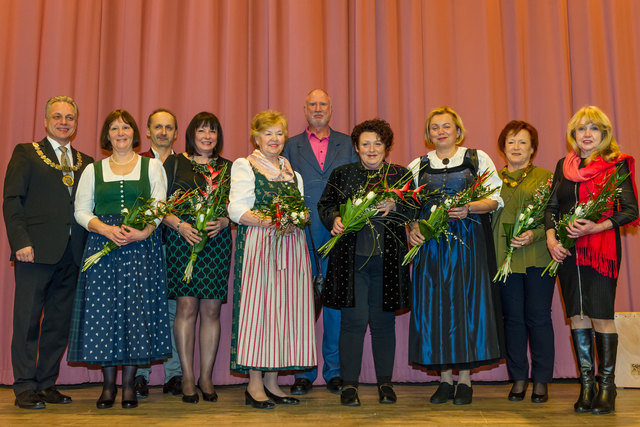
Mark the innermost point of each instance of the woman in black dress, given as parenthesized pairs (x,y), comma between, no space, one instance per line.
(207,289)
(589,272)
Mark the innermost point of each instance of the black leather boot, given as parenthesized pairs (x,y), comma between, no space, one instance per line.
(607,347)
(583,346)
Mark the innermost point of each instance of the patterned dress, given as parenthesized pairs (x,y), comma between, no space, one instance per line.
(273,323)
(211,271)
(120,311)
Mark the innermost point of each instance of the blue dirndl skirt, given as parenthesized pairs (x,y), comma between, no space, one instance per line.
(120,314)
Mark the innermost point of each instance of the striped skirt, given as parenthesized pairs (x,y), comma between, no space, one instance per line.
(273,318)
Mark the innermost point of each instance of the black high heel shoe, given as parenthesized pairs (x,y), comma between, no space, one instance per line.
(105,402)
(539,398)
(258,404)
(129,403)
(281,400)
(209,397)
(191,398)
(517,396)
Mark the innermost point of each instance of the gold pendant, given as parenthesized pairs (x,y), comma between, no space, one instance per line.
(67,180)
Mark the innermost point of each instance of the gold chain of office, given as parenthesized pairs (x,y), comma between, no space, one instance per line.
(48,161)
(66,179)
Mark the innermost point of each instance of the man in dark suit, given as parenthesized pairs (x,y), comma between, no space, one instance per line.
(46,246)
(314,154)
(162,130)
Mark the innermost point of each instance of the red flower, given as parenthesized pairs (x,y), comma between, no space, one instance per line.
(416,192)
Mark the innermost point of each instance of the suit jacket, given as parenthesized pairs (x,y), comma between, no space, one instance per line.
(299,153)
(37,207)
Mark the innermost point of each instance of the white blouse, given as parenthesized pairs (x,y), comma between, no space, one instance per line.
(484,163)
(242,195)
(85,194)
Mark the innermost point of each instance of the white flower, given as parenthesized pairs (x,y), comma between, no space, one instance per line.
(294,215)
(356,202)
(530,207)
(198,206)
(433,208)
(148,212)
(371,195)
(530,221)
(201,218)
(124,211)
(521,217)
(579,211)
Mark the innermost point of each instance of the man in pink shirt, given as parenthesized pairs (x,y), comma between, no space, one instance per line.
(314,153)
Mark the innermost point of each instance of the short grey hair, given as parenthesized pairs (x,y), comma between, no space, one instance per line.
(60,98)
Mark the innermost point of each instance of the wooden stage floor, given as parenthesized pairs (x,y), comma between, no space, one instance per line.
(490,407)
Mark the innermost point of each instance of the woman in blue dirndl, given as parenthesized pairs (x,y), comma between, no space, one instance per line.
(455,320)
(120,313)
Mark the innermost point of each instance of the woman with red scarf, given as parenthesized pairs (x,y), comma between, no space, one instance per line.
(589,272)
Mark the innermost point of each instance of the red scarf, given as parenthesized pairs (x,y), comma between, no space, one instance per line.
(597,250)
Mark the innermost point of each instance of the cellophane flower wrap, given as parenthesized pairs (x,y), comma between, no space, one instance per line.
(530,215)
(287,209)
(593,210)
(360,209)
(436,225)
(205,205)
(142,213)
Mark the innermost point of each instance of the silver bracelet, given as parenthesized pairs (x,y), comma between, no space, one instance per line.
(178,226)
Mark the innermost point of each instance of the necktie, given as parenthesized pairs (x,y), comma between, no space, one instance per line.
(67,177)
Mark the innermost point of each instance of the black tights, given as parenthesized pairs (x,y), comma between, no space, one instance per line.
(109,383)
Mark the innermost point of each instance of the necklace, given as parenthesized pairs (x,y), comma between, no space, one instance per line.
(67,179)
(122,163)
(201,167)
(514,183)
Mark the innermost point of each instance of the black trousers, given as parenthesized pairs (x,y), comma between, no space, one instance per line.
(354,321)
(526,306)
(41,316)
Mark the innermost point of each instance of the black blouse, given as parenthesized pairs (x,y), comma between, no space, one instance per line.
(345,182)
(564,195)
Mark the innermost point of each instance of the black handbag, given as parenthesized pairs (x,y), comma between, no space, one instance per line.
(318,279)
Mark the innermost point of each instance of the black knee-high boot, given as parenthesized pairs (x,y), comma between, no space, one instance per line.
(607,347)
(583,346)
(109,390)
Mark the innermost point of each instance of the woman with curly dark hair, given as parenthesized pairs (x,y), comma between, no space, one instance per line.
(365,276)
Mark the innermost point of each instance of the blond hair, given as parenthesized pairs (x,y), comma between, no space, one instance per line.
(456,119)
(266,119)
(608,147)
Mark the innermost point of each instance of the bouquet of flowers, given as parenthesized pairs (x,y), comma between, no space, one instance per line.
(359,209)
(285,210)
(206,205)
(436,224)
(528,217)
(142,213)
(592,210)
